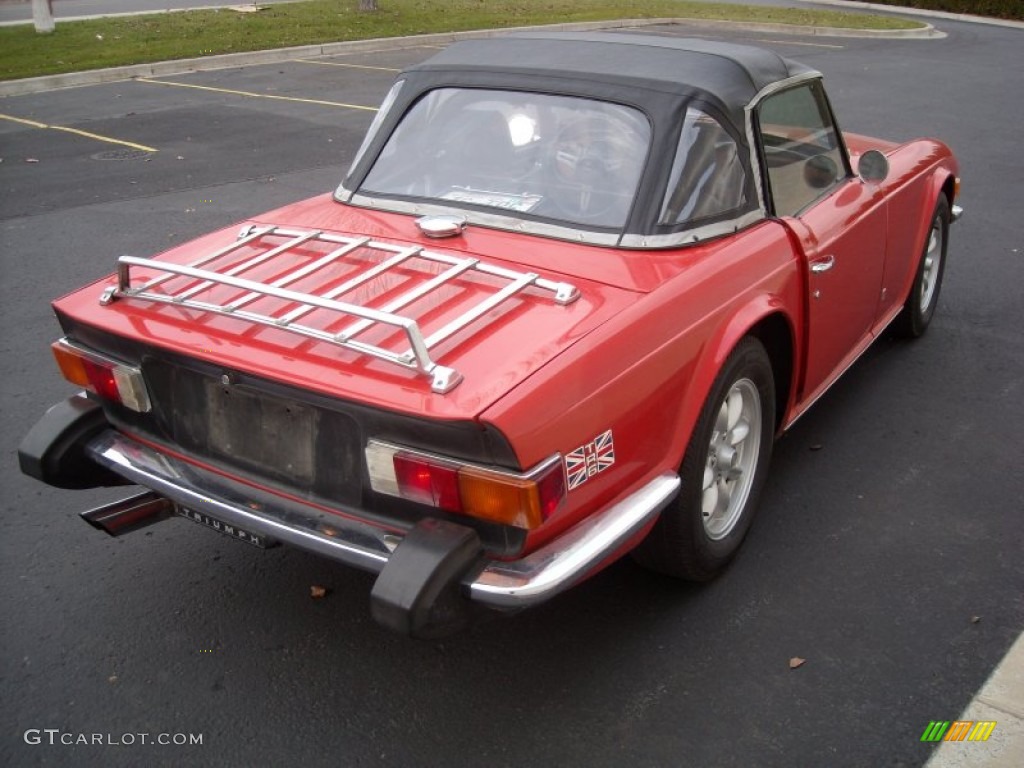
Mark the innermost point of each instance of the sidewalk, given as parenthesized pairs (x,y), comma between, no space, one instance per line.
(1000,700)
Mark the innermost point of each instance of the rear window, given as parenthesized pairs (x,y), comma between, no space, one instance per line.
(569,159)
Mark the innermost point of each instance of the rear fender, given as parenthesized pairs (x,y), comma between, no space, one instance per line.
(742,323)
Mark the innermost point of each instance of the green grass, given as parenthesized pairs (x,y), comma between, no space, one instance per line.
(82,45)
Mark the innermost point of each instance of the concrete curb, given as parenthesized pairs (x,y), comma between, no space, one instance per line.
(205,63)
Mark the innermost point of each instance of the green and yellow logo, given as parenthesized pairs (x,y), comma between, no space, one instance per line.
(958,730)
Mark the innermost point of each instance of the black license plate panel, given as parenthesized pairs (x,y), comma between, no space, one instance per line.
(269,435)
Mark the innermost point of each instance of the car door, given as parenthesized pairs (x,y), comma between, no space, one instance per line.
(838,221)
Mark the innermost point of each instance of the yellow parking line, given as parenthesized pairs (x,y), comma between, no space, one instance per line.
(23,121)
(349,66)
(86,134)
(255,95)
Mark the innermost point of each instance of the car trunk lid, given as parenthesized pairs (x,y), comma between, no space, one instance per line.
(392,323)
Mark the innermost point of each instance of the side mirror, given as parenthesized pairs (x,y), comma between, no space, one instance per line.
(873,166)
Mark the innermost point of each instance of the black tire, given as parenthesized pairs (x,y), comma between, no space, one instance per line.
(687,541)
(920,305)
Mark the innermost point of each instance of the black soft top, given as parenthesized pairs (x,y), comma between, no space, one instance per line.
(728,74)
(660,76)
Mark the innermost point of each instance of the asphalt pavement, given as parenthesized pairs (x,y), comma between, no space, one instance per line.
(887,554)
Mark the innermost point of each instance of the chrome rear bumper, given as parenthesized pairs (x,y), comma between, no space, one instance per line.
(498,584)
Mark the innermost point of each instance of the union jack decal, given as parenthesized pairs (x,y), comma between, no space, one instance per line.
(587,460)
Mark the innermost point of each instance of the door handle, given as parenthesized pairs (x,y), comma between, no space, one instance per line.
(823,265)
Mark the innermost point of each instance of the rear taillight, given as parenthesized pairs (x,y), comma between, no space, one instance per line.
(110,379)
(524,500)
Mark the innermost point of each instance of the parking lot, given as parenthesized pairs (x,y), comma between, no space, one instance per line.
(887,553)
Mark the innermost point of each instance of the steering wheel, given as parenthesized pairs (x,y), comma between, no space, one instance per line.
(591,165)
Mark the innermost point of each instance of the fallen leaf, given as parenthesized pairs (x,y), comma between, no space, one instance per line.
(112,679)
(317,592)
(796,661)
(975,619)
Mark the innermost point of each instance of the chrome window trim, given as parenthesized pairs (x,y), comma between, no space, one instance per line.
(753,138)
(489,220)
(692,236)
(541,229)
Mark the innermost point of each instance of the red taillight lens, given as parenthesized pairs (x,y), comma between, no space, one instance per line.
(102,379)
(427,483)
(108,378)
(523,500)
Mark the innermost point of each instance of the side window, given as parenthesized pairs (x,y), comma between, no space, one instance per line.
(801,147)
(707,176)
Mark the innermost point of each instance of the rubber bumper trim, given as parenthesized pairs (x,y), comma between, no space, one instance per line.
(54,450)
(418,592)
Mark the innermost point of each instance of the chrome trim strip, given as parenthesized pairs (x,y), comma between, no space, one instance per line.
(693,236)
(781,85)
(557,232)
(489,220)
(234,503)
(504,585)
(752,143)
(573,555)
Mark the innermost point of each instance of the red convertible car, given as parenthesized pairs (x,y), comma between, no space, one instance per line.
(570,290)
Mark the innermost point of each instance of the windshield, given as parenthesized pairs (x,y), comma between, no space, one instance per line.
(570,159)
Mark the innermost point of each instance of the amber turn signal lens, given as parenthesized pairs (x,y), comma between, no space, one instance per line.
(510,501)
(72,367)
(524,500)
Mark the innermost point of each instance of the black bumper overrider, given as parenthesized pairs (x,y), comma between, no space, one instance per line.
(426,572)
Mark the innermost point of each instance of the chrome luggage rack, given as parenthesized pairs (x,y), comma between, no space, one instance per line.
(417,357)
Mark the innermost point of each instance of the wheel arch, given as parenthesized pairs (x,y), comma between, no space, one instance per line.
(767,320)
(942,182)
(776,335)
(948,188)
